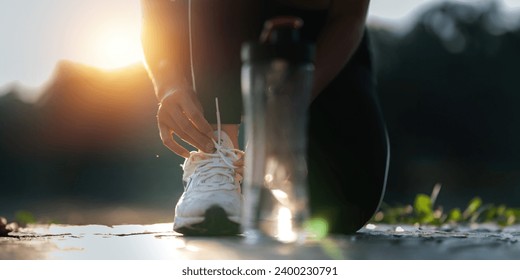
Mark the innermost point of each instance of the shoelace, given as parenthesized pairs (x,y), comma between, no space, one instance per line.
(214,164)
(219,163)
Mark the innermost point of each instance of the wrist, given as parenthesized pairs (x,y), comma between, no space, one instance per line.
(171,91)
(167,94)
(168,79)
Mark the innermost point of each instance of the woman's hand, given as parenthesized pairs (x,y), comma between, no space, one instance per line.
(180,113)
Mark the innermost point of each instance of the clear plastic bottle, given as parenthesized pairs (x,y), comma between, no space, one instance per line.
(277,77)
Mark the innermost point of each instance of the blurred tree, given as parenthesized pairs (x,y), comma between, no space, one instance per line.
(450,90)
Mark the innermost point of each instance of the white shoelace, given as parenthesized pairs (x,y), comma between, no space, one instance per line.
(213,170)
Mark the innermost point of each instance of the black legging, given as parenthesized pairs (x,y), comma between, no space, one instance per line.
(348,149)
(347,174)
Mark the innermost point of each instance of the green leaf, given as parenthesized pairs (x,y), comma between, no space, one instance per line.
(490,214)
(472,208)
(510,217)
(501,210)
(422,204)
(423,208)
(455,215)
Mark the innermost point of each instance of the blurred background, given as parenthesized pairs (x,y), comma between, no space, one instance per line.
(79,143)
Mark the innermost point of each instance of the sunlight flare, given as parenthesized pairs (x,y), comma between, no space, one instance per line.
(116,46)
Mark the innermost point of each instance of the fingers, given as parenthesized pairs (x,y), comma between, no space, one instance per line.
(180,114)
(195,115)
(167,139)
(186,130)
(239,165)
(173,127)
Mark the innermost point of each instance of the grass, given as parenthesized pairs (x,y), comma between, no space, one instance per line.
(423,211)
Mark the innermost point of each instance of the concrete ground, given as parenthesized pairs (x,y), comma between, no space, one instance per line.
(158,241)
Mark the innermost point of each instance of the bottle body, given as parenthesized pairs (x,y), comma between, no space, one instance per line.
(276,96)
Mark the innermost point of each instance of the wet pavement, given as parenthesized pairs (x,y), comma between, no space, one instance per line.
(158,241)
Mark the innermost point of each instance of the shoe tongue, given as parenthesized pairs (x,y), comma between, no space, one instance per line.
(225,141)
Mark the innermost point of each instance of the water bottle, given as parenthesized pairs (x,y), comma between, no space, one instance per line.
(276,79)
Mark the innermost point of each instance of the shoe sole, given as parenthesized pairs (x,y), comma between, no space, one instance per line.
(216,223)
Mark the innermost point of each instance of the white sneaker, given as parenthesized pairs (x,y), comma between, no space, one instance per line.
(212,200)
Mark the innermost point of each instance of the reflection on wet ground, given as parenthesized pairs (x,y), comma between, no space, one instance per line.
(158,241)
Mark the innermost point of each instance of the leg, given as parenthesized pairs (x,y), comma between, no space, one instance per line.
(347,176)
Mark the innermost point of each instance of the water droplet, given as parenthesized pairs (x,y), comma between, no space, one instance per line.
(370,226)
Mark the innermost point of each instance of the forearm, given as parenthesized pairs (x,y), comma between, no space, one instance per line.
(339,40)
(164,37)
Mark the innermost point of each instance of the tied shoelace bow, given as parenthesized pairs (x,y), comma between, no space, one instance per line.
(216,169)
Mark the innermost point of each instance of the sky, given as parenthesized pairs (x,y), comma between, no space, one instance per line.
(35,34)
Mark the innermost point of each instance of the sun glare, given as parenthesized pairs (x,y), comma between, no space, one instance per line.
(116,46)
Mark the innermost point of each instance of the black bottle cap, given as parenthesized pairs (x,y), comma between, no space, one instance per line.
(280,38)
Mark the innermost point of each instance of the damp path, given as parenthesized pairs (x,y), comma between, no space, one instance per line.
(158,241)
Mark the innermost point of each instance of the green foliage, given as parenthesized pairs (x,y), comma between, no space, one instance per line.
(24,217)
(455,215)
(423,209)
(473,208)
(424,212)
